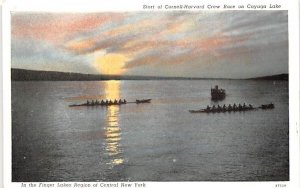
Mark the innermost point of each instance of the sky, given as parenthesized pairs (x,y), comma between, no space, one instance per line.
(206,44)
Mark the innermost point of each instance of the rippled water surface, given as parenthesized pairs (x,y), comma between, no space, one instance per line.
(159,141)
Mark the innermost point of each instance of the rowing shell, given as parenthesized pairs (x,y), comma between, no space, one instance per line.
(219,111)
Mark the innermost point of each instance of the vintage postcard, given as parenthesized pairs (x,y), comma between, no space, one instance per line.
(152,94)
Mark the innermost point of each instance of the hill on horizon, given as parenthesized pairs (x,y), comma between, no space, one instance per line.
(36,75)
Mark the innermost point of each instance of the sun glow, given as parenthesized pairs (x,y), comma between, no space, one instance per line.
(112,64)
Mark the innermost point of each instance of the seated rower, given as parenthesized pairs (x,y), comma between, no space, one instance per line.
(240,107)
(250,106)
(115,102)
(224,107)
(125,101)
(207,108)
(120,101)
(234,105)
(102,102)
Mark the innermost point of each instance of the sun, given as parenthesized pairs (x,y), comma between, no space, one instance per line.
(111,64)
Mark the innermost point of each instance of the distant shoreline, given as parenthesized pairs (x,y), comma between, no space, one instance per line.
(34,75)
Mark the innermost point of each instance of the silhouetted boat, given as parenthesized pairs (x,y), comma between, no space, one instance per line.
(109,103)
(198,111)
(143,101)
(267,106)
(217,94)
(233,108)
(97,104)
(220,109)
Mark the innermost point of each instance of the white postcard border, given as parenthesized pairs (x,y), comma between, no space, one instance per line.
(136,5)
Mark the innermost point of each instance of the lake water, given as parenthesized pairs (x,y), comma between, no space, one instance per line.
(159,141)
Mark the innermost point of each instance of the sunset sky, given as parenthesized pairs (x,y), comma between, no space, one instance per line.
(223,44)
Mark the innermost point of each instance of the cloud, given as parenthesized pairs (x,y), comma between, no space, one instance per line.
(37,55)
(56,28)
(199,43)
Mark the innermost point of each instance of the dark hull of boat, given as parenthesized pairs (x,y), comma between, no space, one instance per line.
(143,101)
(220,111)
(197,111)
(267,106)
(219,96)
(118,104)
(111,104)
(242,109)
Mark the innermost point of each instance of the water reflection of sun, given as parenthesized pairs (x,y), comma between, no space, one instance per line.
(113,131)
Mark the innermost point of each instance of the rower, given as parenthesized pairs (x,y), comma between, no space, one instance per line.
(87,102)
(120,101)
(115,102)
(102,102)
(125,101)
(240,106)
(250,106)
(224,107)
(207,108)
(110,102)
